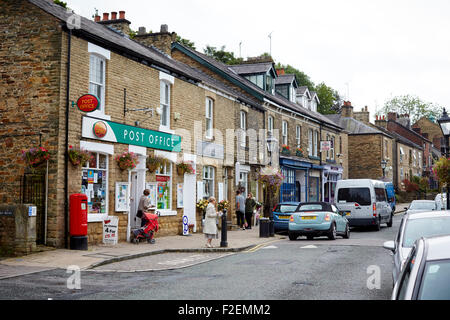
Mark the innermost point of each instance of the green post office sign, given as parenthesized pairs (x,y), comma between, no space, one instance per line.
(121,133)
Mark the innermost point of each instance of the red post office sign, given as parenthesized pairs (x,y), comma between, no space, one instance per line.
(88,103)
(100,129)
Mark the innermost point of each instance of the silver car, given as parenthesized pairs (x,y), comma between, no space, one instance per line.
(426,275)
(421,206)
(413,227)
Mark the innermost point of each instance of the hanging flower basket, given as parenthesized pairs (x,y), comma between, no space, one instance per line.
(127,160)
(201,205)
(78,156)
(285,150)
(35,157)
(184,167)
(222,205)
(154,162)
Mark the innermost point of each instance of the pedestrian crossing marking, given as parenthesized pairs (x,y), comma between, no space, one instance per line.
(309,247)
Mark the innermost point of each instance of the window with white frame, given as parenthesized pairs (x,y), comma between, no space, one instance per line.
(164,187)
(164,98)
(298,136)
(243,125)
(316,143)
(97,79)
(208,182)
(332,148)
(94,183)
(402,154)
(328,151)
(270,124)
(310,142)
(285,133)
(209,117)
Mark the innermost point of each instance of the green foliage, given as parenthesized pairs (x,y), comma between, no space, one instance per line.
(222,55)
(329,99)
(302,78)
(441,170)
(60,3)
(412,105)
(186,42)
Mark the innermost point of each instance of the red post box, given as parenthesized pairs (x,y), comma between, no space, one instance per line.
(78,215)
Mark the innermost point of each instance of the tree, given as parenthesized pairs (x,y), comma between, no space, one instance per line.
(329,99)
(302,78)
(412,105)
(60,3)
(186,42)
(222,55)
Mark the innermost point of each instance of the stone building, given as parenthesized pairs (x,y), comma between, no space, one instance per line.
(150,104)
(430,130)
(310,174)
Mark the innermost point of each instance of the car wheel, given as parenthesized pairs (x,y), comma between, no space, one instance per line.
(378,225)
(389,224)
(292,236)
(310,237)
(347,232)
(332,234)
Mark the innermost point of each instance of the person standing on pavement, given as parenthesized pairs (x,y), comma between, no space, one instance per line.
(144,205)
(210,227)
(249,205)
(240,209)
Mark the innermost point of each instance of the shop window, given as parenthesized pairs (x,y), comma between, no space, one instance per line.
(208,182)
(288,188)
(94,183)
(313,189)
(164,187)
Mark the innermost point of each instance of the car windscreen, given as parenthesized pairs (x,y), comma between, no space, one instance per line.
(426,227)
(311,207)
(436,278)
(422,205)
(285,208)
(359,195)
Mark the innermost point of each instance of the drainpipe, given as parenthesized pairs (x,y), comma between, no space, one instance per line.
(66,158)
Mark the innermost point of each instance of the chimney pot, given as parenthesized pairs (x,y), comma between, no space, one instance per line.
(121,14)
(105,16)
(97,18)
(164,28)
(142,31)
(113,15)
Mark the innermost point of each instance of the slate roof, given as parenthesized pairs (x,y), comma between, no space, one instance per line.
(285,79)
(119,42)
(252,68)
(353,126)
(274,98)
(302,90)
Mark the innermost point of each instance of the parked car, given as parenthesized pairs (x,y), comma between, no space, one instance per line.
(441,201)
(426,275)
(314,219)
(413,227)
(421,206)
(390,193)
(364,202)
(281,214)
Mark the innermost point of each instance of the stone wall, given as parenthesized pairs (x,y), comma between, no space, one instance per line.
(365,155)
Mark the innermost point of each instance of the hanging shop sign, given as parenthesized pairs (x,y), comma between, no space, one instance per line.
(105,130)
(88,103)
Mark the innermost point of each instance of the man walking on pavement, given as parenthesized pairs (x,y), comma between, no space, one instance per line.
(240,209)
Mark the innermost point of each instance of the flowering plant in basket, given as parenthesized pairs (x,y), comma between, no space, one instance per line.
(185,167)
(285,149)
(222,205)
(127,160)
(78,156)
(35,156)
(202,204)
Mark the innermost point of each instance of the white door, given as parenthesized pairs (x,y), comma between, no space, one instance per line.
(189,202)
(134,201)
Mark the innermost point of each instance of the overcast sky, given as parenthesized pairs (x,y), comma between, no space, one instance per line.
(367,50)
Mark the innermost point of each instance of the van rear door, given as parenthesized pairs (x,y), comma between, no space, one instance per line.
(356,202)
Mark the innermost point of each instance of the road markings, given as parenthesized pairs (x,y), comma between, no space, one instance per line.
(270,247)
(309,247)
(259,246)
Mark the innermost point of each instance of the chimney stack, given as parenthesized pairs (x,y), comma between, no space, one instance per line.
(347,110)
(122,25)
(363,115)
(97,18)
(162,40)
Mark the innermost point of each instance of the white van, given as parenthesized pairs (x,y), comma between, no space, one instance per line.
(364,202)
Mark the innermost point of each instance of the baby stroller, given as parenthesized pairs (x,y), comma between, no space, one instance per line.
(147,232)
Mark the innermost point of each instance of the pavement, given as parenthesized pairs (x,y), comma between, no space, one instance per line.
(99,255)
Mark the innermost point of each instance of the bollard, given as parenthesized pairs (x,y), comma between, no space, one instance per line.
(223,241)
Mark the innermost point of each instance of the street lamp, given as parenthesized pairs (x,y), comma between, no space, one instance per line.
(444,123)
(383,166)
(271,142)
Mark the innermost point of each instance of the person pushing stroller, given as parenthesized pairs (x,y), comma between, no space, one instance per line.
(149,228)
